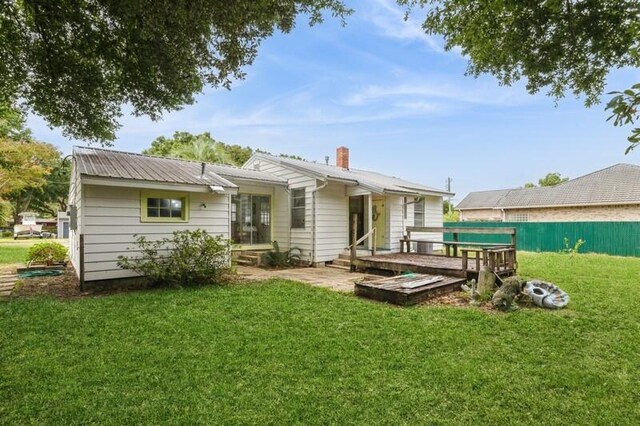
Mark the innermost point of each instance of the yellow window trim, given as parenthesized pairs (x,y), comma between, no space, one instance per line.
(145,195)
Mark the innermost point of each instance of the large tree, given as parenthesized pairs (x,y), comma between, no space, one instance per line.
(26,165)
(558,46)
(204,147)
(551,179)
(77,62)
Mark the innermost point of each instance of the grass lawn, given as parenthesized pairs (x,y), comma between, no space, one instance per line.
(13,253)
(283,352)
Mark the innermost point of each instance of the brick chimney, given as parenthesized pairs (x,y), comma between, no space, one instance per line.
(342,157)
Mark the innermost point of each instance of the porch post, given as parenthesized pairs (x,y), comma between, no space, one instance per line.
(370,243)
(354,238)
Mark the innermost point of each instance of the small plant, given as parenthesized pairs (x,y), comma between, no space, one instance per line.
(572,251)
(7,234)
(47,253)
(188,258)
(281,259)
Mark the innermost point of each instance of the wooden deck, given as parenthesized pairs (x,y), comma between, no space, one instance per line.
(412,262)
(392,289)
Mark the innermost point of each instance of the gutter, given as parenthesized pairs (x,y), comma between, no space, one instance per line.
(313,215)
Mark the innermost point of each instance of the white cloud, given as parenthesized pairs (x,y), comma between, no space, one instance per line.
(475,93)
(389,18)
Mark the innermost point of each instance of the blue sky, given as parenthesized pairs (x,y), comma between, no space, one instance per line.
(403,106)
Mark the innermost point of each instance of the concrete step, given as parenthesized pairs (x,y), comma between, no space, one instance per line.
(334,266)
(244,262)
(341,262)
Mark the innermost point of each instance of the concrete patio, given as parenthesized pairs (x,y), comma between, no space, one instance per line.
(331,278)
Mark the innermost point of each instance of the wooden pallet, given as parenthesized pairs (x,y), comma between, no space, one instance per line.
(394,289)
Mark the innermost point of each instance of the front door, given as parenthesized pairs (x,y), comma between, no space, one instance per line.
(379,220)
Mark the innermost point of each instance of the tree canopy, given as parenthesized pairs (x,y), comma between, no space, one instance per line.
(76,63)
(203,147)
(31,172)
(551,179)
(558,46)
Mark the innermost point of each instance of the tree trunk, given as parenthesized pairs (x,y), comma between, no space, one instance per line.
(486,282)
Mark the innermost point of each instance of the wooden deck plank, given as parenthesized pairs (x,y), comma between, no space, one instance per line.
(391,290)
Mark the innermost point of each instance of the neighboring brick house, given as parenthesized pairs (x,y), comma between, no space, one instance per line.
(611,194)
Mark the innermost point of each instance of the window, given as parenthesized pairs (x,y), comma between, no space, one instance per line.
(164,207)
(298,200)
(517,217)
(251,219)
(418,213)
(404,207)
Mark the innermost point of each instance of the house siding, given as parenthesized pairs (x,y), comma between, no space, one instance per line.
(301,238)
(332,226)
(75,199)
(432,217)
(279,209)
(111,217)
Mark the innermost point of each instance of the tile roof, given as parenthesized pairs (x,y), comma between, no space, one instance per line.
(618,184)
(482,199)
(126,165)
(376,182)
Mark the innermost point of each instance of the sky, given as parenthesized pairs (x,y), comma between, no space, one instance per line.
(402,105)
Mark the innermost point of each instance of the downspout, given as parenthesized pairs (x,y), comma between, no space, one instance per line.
(313,215)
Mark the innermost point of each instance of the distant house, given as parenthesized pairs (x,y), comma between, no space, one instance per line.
(114,195)
(610,194)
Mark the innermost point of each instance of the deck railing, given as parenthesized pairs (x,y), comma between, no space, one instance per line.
(497,256)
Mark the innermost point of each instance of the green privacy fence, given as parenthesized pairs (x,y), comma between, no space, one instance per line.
(615,238)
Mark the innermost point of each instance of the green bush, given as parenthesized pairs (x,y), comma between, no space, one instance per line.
(7,234)
(280,259)
(188,258)
(47,252)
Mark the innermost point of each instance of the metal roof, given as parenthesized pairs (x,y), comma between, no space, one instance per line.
(126,165)
(373,181)
(618,184)
(238,173)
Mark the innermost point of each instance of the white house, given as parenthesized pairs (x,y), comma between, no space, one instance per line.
(115,195)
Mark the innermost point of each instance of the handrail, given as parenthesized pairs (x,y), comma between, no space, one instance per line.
(364,237)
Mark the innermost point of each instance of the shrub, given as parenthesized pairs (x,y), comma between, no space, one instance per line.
(47,252)
(187,258)
(281,259)
(572,251)
(7,234)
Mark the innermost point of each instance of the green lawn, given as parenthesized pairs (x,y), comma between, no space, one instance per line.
(13,253)
(283,352)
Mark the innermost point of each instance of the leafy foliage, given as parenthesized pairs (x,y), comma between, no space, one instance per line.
(188,258)
(624,110)
(203,147)
(551,179)
(48,252)
(572,250)
(558,46)
(76,63)
(280,259)
(53,196)
(30,171)
(24,164)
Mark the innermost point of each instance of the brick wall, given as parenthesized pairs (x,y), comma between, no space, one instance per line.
(580,214)
(480,214)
